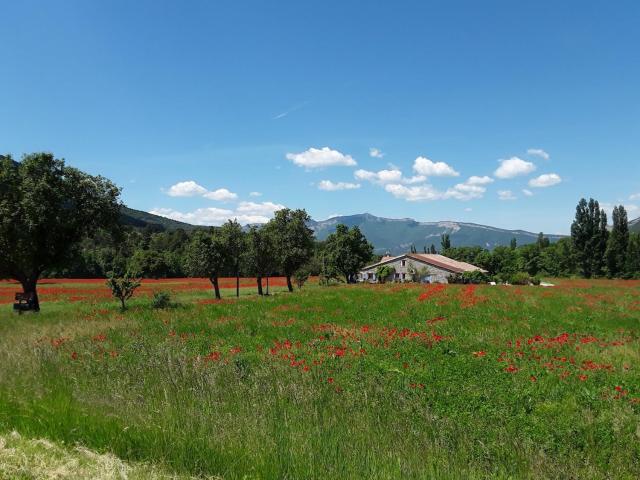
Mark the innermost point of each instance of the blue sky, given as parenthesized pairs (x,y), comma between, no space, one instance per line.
(225,100)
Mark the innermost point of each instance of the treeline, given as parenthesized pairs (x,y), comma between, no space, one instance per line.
(285,246)
(592,250)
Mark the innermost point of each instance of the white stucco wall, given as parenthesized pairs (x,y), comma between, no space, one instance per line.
(403,268)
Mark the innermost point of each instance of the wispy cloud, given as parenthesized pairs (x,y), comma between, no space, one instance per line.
(506,195)
(291,110)
(538,152)
(329,186)
(375,153)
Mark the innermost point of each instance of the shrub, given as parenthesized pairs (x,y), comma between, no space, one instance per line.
(300,277)
(475,277)
(161,300)
(520,278)
(123,288)
(383,272)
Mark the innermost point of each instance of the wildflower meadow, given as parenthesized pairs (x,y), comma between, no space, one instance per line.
(351,381)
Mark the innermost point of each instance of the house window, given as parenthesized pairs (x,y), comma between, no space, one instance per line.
(402,263)
(403,276)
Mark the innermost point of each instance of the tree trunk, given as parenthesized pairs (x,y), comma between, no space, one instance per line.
(216,287)
(123,306)
(259,279)
(29,286)
(347,278)
(289,286)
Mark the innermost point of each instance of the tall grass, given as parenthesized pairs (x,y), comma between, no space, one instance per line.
(214,389)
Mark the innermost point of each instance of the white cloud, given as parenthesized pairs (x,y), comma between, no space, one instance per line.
(321,157)
(545,180)
(375,153)
(330,186)
(387,176)
(186,189)
(468,209)
(635,196)
(262,208)
(222,195)
(465,191)
(528,193)
(255,194)
(633,211)
(414,194)
(247,212)
(506,195)
(472,188)
(424,166)
(475,180)
(538,152)
(192,189)
(513,167)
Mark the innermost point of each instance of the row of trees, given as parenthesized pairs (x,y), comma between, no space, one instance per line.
(58,221)
(592,250)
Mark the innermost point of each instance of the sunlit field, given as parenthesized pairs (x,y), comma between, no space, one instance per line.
(362,381)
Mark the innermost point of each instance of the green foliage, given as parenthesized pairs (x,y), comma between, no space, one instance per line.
(477,277)
(123,287)
(589,234)
(46,209)
(161,300)
(206,256)
(520,278)
(445,242)
(301,276)
(383,272)
(616,253)
(632,269)
(293,240)
(347,251)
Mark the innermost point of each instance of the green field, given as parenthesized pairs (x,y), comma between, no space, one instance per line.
(373,381)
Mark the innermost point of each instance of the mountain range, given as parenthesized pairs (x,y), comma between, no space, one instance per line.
(386,234)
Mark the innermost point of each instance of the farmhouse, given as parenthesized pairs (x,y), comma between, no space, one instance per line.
(422,267)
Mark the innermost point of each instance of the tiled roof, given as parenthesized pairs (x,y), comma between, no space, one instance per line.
(434,259)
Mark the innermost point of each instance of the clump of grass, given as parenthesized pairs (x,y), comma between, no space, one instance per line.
(39,458)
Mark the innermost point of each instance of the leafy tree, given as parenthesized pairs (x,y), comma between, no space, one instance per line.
(383,272)
(633,256)
(433,249)
(46,209)
(589,234)
(514,243)
(445,242)
(602,238)
(301,276)
(149,264)
(123,287)
(293,240)
(616,253)
(233,240)
(542,241)
(259,254)
(347,251)
(206,256)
